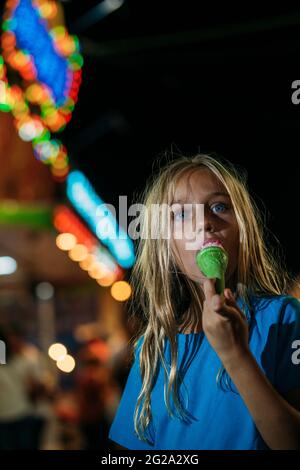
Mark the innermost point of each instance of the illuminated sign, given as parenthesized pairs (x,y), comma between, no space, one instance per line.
(49,63)
(32,35)
(99,218)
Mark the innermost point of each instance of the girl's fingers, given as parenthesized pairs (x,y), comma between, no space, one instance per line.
(224,305)
(229,295)
(209,288)
(217,303)
(231,301)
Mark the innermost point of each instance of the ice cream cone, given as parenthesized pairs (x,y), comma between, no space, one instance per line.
(212,261)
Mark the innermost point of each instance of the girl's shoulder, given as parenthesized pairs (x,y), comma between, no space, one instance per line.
(262,302)
(271,309)
(275,338)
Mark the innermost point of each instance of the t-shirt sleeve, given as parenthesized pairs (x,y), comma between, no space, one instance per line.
(122,428)
(287,373)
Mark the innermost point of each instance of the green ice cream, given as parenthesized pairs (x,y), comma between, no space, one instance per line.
(212,260)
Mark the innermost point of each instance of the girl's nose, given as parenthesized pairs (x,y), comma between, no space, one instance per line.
(208,223)
(208,226)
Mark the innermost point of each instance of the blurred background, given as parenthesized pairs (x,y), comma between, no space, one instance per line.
(91,94)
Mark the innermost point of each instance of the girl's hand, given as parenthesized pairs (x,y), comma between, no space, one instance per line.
(223,322)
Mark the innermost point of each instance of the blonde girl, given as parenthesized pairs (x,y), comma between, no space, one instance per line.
(210,371)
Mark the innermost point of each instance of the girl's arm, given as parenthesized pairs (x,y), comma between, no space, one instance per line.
(277,421)
(226,329)
(293,397)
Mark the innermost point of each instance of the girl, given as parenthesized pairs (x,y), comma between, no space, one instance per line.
(210,371)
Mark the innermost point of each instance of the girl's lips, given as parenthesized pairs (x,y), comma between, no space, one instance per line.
(212,242)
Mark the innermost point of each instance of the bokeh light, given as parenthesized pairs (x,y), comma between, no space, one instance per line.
(78,253)
(57,351)
(121,291)
(43,101)
(88,263)
(8,265)
(66,241)
(97,271)
(67,364)
(44,291)
(107,280)
(100,219)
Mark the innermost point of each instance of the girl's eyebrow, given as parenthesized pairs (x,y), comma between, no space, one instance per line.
(220,193)
(216,193)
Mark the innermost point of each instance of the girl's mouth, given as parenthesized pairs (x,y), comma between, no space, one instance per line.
(212,242)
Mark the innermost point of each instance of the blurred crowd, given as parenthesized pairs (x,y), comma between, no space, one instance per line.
(42,408)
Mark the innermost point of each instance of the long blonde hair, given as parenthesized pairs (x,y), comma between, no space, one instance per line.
(162,295)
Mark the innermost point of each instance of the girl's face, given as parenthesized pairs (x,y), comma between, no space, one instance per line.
(203,187)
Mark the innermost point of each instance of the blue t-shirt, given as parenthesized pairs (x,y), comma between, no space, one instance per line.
(219,420)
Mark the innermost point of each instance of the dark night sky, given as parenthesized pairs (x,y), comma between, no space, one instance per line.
(229,93)
(149,84)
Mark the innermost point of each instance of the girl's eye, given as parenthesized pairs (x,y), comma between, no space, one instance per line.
(219,208)
(181,215)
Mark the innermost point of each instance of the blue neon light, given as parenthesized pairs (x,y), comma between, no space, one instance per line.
(100,219)
(32,36)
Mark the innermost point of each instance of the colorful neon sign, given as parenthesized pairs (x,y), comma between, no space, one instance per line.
(49,63)
(99,218)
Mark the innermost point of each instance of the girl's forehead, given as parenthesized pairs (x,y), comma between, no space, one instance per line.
(196,184)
